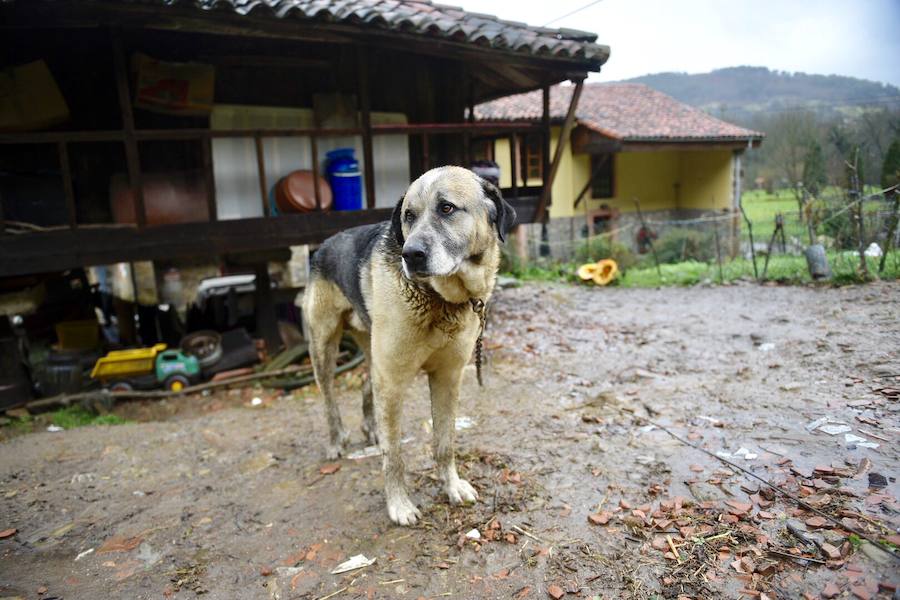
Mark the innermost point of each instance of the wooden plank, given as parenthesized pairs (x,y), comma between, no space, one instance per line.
(261,171)
(64,248)
(143,135)
(66,168)
(209,179)
(362,66)
(557,156)
(132,156)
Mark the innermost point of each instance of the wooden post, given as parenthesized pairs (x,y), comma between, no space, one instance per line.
(261,167)
(362,65)
(467,137)
(637,206)
(545,144)
(314,150)
(513,163)
(209,179)
(539,214)
(132,156)
(264,301)
(63,151)
(426,157)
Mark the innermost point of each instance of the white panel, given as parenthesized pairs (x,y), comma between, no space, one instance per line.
(234,160)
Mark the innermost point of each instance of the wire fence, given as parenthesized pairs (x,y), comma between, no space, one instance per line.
(776,238)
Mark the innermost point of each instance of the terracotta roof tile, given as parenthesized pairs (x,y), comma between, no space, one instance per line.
(624,111)
(419,17)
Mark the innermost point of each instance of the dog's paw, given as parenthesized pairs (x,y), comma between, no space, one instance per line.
(402,511)
(371,431)
(461,492)
(337,446)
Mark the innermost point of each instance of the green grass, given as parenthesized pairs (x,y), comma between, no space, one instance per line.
(783,268)
(78,416)
(761,208)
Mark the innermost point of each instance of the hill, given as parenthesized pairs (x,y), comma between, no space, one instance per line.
(739,92)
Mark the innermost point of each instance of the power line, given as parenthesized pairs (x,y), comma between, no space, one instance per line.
(569,14)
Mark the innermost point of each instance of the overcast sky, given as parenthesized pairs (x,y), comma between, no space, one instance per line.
(859,38)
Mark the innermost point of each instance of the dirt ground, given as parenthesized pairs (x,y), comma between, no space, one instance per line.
(580,495)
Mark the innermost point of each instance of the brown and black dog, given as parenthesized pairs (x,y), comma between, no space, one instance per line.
(404,290)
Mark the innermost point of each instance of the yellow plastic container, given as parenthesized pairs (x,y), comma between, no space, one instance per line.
(127,363)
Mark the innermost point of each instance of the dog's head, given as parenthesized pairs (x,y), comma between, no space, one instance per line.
(448,216)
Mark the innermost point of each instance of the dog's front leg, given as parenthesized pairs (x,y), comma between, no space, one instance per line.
(389,394)
(444,384)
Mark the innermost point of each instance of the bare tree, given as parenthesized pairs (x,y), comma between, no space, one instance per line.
(792,133)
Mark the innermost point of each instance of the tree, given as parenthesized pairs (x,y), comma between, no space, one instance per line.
(890,176)
(814,176)
(890,169)
(791,133)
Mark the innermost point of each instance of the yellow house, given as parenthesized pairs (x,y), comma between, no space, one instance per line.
(629,143)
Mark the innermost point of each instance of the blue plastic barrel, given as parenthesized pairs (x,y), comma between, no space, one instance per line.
(342,170)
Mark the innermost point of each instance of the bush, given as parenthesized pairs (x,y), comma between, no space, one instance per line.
(680,245)
(596,249)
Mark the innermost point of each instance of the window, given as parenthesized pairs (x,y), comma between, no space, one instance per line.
(533,157)
(602,169)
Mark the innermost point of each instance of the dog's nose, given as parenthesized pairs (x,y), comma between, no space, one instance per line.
(415,257)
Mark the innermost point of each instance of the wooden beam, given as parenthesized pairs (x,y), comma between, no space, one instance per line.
(66,168)
(63,248)
(557,156)
(362,65)
(209,179)
(261,169)
(545,139)
(53,137)
(132,156)
(264,309)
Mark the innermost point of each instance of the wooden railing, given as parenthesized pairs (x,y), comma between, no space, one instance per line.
(47,249)
(62,139)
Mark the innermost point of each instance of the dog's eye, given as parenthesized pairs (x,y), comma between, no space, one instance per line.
(446,208)
(410,216)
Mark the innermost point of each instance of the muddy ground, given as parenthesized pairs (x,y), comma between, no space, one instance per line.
(579,494)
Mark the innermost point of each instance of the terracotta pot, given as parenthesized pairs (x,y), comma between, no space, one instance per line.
(294,193)
(175,197)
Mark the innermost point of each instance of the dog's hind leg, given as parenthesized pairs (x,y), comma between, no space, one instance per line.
(324,319)
(444,385)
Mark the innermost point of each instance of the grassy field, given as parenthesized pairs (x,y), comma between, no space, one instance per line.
(782,268)
(762,209)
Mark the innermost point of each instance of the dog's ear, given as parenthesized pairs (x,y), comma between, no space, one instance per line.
(503,214)
(397,222)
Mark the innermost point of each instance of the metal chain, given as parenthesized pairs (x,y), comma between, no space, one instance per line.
(479,309)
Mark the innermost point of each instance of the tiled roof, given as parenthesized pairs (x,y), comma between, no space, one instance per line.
(622,111)
(419,17)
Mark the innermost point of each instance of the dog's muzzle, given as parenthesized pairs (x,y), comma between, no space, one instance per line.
(415,256)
